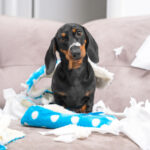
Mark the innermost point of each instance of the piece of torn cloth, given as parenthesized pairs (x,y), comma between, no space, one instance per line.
(13,105)
(7,135)
(2,147)
(70,133)
(134,123)
(103,76)
(142,59)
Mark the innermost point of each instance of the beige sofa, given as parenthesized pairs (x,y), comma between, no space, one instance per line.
(23,44)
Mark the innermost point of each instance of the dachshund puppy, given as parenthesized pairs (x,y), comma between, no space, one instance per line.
(73,82)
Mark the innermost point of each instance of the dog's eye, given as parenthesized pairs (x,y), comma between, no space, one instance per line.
(62,39)
(79,33)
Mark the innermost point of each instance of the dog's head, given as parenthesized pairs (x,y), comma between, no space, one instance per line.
(73,42)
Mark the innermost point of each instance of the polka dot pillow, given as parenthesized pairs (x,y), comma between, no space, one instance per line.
(39,116)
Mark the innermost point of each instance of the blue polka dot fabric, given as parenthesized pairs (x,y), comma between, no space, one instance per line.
(39,116)
(2,147)
(35,76)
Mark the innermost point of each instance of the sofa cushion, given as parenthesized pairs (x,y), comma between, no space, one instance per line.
(129,32)
(12,77)
(25,41)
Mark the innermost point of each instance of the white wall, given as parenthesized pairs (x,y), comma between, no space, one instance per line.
(19,8)
(123,8)
(1,6)
(79,11)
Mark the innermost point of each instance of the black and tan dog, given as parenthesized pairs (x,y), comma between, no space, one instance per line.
(73,82)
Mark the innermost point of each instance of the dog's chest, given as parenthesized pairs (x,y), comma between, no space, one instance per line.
(73,85)
(76,89)
(74,94)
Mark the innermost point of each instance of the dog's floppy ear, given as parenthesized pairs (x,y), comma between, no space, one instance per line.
(50,57)
(91,46)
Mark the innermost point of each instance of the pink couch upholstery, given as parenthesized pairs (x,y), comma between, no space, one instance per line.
(23,44)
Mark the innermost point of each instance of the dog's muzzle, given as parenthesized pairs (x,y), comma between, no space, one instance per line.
(75,50)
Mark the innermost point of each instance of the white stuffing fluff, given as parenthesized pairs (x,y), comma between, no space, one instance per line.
(118,50)
(103,76)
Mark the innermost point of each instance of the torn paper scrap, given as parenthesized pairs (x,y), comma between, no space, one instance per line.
(142,59)
(118,50)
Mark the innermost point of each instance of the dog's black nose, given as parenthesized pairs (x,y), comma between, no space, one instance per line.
(75,52)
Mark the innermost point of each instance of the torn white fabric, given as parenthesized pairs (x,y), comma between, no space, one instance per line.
(70,133)
(142,59)
(12,110)
(100,107)
(8,135)
(13,106)
(118,50)
(103,76)
(134,122)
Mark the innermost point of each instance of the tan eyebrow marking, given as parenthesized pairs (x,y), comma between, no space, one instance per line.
(63,34)
(73,30)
